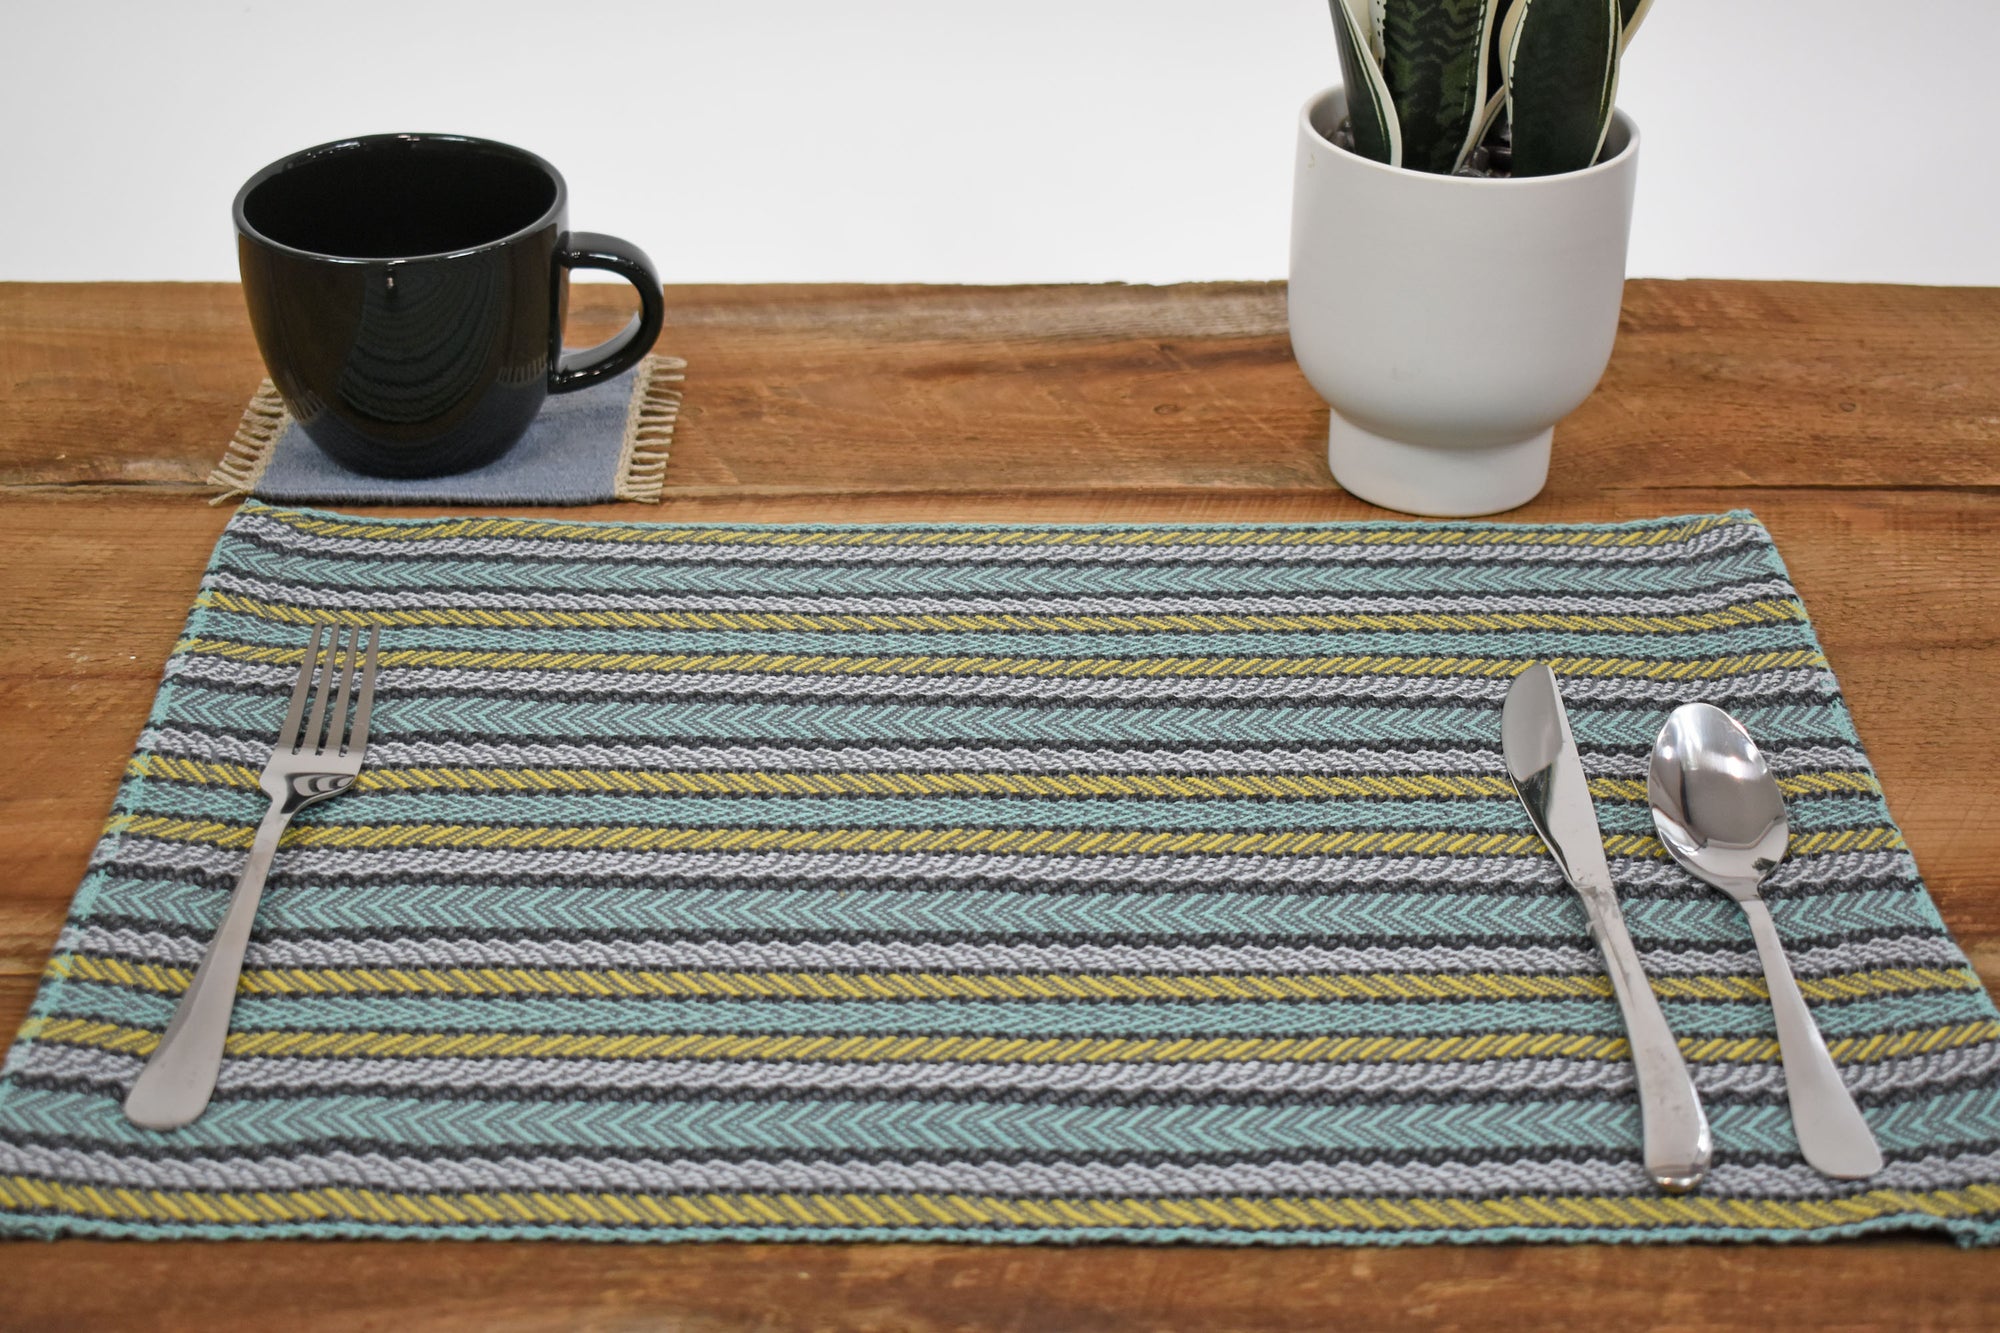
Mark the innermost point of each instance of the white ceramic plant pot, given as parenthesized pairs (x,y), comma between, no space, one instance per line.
(1450,321)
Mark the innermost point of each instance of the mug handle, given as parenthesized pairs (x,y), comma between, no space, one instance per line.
(589,249)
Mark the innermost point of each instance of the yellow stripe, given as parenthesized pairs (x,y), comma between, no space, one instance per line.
(820,1048)
(954,841)
(1764,611)
(875,782)
(875,1210)
(813,985)
(1006,538)
(1094,668)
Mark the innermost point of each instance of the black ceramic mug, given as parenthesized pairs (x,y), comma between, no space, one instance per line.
(407,292)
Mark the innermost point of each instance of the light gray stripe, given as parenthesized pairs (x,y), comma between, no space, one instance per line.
(1333,1175)
(1725,537)
(1136,1179)
(1168,690)
(663,952)
(868,757)
(1175,604)
(1160,871)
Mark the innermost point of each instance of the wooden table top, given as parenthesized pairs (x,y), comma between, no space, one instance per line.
(1861,423)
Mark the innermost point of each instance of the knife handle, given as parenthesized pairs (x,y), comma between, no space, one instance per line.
(1678,1146)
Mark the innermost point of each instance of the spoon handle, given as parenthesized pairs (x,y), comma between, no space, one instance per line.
(1832,1134)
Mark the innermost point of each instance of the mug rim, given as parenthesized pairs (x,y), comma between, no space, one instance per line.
(359,142)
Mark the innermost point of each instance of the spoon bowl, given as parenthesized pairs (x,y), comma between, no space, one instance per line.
(1715,803)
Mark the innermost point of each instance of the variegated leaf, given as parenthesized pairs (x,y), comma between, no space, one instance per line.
(1562,78)
(1496,47)
(1371,114)
(1434,62)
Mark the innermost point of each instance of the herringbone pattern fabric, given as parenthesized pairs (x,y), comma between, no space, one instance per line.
(1000,884)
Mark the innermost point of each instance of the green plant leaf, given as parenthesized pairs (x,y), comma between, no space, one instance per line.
(1562,77)
(1370,112)
(1434,62)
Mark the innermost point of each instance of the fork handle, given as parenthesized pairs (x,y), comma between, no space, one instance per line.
(174,1087)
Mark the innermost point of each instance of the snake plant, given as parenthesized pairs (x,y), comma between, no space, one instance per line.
(1429,81)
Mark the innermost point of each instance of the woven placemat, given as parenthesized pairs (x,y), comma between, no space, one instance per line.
(990,884)
(608,442)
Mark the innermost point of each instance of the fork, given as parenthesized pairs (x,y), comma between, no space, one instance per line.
(315,757)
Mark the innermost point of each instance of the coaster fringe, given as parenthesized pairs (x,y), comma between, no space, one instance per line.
(649,430)
(249,453)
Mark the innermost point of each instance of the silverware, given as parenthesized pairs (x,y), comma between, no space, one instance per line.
(316,757)
(1719,811)
(1548,775)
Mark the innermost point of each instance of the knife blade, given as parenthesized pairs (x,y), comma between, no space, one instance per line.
(1548,776)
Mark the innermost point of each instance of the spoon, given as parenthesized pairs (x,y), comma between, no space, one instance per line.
(1719,811)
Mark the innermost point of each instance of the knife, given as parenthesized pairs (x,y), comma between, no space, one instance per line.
(1548,775)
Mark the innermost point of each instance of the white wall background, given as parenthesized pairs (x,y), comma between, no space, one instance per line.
(963,141)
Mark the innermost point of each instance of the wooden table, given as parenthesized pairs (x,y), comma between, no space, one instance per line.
(1861,423)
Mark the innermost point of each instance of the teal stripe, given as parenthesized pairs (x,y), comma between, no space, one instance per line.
(1152,914)
(803,1124)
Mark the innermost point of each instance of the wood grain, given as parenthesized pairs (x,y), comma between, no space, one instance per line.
(1861,423)
(505,1287)
(840,391)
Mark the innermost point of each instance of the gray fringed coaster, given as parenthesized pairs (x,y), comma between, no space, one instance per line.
(608,442)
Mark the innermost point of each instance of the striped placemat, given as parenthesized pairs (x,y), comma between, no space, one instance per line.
(991,884)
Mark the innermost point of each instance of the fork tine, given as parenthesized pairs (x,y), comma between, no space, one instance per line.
(288,735)
(312,739)
(336,726)
(357,741)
